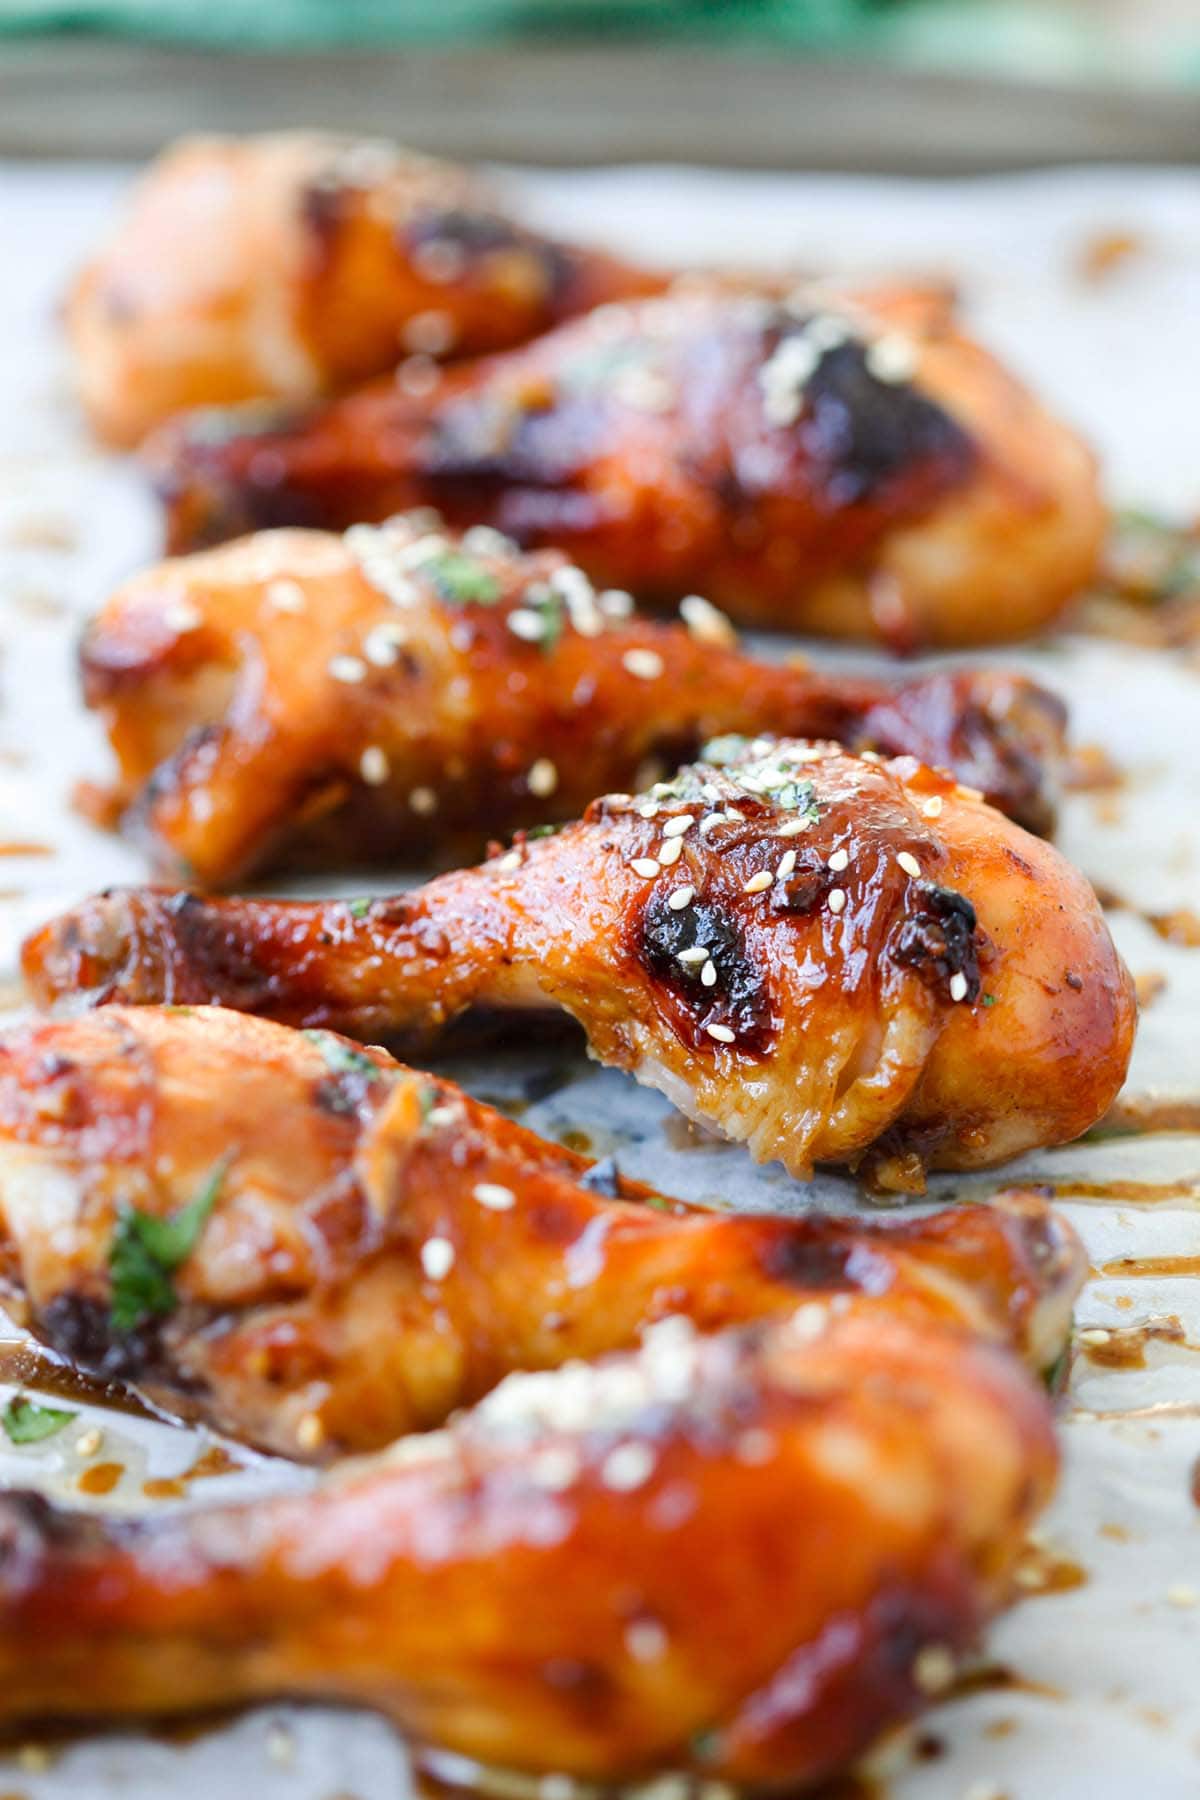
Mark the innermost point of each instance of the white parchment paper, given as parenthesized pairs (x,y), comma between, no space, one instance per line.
(1085,1694)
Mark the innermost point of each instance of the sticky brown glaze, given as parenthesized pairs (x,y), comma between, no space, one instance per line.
(744,1554)
(945,995)
(851,467)
(291,265)
(401,691)
(383,1250)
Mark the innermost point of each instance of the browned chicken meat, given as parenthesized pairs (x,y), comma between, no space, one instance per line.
(401,690)
(834,959)
(851,465)
(318,1250)
(288,266)
(743,1554)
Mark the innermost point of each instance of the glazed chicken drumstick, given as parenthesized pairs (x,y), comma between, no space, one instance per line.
(831,958)
(303,696)
(291,265)
(851,467)
(378,1250)
(744,1555)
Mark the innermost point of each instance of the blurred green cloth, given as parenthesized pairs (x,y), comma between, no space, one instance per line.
(1046,39)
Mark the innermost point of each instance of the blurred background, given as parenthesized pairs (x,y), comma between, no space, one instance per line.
(919,86)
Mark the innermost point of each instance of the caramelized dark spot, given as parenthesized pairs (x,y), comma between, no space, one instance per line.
(865,432)
(804,889)
(78,1326)
(939,939)
(737,999)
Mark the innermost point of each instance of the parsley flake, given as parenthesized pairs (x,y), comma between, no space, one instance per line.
(460,578)
(342,1059)
(146,1250)
(25,1422)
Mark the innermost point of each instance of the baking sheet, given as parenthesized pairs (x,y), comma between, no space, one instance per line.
(1087,1691)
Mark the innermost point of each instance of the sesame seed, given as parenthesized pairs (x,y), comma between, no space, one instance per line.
(958,986)
(437,1257)
(677,827)
(555,1467)
(645,865)
(182,616)
(439,261)
(1181,1594)
(285,596)
(1095,1334)
(647,665)
(838,861)
(526,625)
(757,884)
(373,766)
(423,800)
(934,1669)
(891,359)
(706,623)
(485,540)
(791,828)
(310,1432)
(431,333)
(88,1442)
(381,645)
(491,1194)
(693,956)
(670,851)
(932,808)
(680,898)
(968,793)
(755,1446)
(721,1033)
(710,823)
(787,863)
(871,756)
(645,1640)
(837,899)
(509,861)
(542,778)
(615,603)
(708,974)
(556,1787)
(347,668)
(909,863)
(34,1759)
(627,1467)
(649,811)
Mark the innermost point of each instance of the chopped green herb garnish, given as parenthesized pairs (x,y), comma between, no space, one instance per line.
(551,614)
(25,1422)
(358,909)
(342,1059)
(460,578)
(989,999)
(146,1251)
(542,831)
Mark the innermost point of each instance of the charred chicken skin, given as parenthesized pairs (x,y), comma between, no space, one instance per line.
(834,959)
(289,266)
(742,1554)
(359,699)
(851,467)
(379,1250)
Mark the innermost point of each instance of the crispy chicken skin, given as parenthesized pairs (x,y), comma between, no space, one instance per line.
(287,266)
(744,1554)
(312,1317)
(896,976)
(853,467)
(359,699)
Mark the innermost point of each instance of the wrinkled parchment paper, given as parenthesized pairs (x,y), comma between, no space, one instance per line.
(1087,1691)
